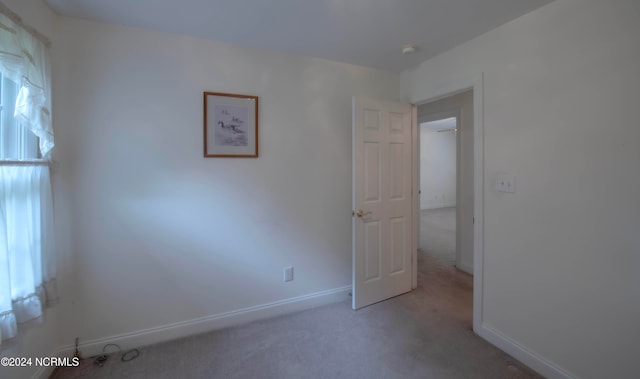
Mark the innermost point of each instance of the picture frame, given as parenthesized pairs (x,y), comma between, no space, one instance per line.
(230,125)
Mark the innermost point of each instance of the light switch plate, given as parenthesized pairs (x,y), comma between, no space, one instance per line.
(506,183)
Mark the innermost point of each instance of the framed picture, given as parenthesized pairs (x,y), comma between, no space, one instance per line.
(230,125)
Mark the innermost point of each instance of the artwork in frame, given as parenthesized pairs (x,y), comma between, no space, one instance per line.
(230,125)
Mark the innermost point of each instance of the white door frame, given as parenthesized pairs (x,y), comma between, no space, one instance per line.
(475,83)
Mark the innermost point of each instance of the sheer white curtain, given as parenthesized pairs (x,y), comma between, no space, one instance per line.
(24,58)
(27,256)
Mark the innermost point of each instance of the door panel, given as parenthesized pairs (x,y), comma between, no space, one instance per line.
(372,171)
(397,235)
(372,250)
(382,221)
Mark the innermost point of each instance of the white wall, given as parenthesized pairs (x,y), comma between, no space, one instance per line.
(561,255)
(163,235)
(437,169)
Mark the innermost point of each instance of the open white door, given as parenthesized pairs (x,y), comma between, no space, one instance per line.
(382,216)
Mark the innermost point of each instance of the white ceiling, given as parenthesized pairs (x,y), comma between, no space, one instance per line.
(363,32)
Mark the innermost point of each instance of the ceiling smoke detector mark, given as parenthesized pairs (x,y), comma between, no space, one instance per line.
(409,49)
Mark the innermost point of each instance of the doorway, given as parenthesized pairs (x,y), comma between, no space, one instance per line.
(438,190)
(447,126)
(445,206)
(394,121)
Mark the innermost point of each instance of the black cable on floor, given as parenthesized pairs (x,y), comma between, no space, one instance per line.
(127,356)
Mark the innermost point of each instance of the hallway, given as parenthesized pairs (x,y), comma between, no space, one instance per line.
(438,233)
(449,290)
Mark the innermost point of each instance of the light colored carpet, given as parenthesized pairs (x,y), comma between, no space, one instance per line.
(438,233)
(423,334)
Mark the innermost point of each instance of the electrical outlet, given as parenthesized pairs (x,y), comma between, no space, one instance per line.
(288,274)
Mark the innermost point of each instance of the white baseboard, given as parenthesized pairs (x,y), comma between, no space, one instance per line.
(209,323)
(437,206)
(466,268)
(537,363)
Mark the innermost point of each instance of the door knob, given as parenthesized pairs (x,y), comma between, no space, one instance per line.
(360,213)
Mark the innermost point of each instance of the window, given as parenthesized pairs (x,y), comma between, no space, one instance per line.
(16,141)
(27,264)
